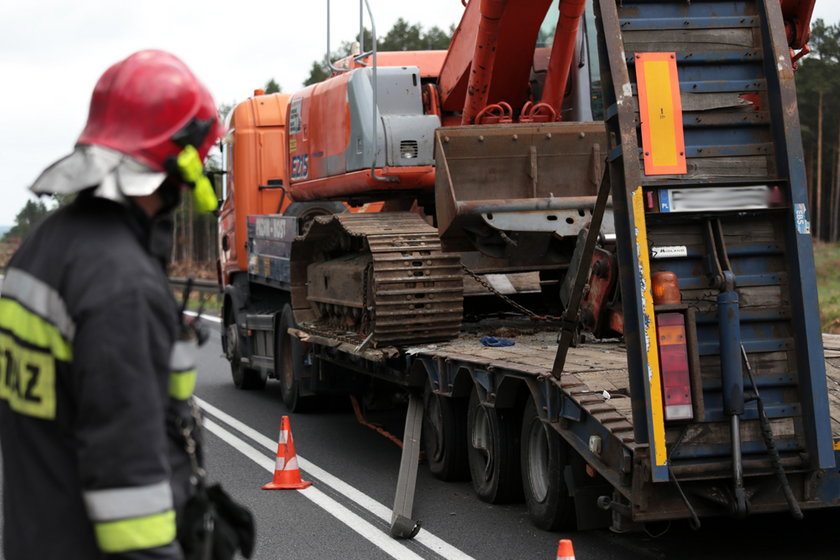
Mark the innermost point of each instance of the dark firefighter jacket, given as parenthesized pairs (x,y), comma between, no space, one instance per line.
(94,382)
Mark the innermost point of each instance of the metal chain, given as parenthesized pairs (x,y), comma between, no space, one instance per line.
(489,287)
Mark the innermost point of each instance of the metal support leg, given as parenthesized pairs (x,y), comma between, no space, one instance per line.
(402,525)
(570,317)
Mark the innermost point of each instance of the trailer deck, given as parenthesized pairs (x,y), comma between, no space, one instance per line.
(595,376)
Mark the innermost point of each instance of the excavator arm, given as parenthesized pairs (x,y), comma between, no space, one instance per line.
(797,14)
(486,72)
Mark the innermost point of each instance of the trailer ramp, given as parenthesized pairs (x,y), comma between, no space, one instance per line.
(708,182)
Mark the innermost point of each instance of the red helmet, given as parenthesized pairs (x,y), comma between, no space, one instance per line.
(149,106)
(145,112)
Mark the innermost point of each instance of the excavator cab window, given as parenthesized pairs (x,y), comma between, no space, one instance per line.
(549,24)
(586,74)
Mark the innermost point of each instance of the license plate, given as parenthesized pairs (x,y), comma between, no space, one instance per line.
(715,199)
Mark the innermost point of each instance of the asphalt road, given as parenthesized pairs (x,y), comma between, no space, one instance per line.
(354,473)
(345,514)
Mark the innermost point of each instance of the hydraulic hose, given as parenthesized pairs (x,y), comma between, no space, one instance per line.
(769,442)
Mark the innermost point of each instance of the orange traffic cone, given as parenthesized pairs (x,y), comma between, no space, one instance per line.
(286,471)
(565,551)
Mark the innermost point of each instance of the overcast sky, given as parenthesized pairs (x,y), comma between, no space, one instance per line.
(53,51)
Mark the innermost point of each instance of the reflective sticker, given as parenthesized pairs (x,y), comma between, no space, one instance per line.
(27,379)
(651,345)
(660,110)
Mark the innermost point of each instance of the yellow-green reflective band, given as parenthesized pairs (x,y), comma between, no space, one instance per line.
(27,379)
(136,534)
(40,298)
(182,384)
(192,170)
(34,330)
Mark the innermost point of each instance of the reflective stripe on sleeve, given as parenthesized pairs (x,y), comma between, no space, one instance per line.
(113,504)
(183,355)
(39,297)
(182,384)
(182,374)
(33,329)
(136,534)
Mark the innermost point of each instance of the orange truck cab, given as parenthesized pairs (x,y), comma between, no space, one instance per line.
(256,174)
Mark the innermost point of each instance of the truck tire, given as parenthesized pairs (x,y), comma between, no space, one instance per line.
(544,458)
(493,452)
(306,211)
(244,377)
(445,436)
(289,364)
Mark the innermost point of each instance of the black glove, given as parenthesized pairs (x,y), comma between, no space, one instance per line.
(215,527)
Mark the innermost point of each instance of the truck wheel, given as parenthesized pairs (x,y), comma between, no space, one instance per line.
(289,364)
(244,377)
(306,211)
(493,450)
(445,436)
(544,459)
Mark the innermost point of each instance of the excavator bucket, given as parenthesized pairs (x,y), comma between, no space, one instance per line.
(511,188)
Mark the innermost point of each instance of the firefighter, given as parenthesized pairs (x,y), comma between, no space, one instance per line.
(97,366)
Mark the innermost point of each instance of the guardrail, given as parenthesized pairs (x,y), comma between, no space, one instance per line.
(203,286)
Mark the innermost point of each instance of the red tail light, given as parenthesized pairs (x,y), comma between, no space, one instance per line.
(673,360)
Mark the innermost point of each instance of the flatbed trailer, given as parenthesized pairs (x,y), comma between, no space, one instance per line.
(591,409)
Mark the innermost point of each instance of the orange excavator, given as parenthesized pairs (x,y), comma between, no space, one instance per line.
(495,147)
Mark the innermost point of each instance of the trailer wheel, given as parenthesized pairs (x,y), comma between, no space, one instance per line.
(244,377)
(445,436)
(289,364)
(544,458)
(492,451)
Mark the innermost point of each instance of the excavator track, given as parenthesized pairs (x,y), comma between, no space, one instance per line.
(382,277)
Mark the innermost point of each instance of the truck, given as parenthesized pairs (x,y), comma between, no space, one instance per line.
(615,187)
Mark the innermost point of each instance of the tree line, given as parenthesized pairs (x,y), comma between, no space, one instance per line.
(817,80)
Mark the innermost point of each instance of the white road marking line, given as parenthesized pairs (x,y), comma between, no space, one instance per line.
(204,316)
(424,537)
(393,548)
